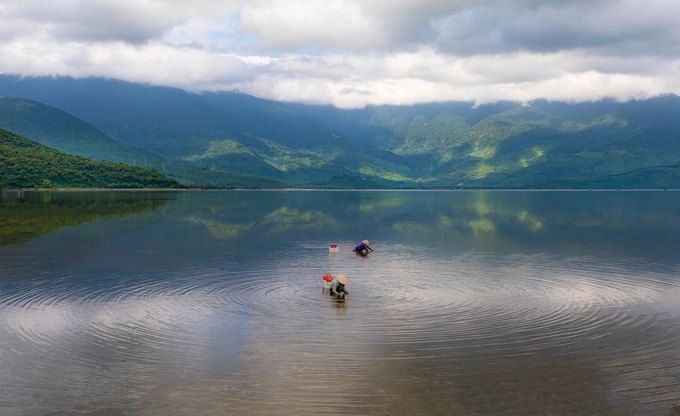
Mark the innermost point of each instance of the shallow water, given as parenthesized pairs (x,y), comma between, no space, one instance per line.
(474,302)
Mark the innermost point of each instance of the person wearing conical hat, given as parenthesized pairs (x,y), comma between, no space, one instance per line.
(338,286)
(363,248)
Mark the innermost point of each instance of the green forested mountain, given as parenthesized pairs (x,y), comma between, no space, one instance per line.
(62,131)
(509,145)
(542,144)
(59,130)
(27,164)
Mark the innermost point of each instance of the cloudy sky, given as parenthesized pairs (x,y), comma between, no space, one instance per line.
(353,53)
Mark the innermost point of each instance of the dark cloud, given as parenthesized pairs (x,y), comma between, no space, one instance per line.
(608,27)
(97,21)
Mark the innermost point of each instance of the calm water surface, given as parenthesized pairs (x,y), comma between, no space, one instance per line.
(211,303)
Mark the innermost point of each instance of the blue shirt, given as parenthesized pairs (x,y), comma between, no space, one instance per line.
(361,247)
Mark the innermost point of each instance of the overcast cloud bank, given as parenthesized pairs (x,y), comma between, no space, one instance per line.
(352,53)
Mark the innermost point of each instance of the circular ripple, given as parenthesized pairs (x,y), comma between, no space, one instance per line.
(414,306)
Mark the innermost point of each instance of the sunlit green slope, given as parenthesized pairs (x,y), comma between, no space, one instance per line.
(512,145)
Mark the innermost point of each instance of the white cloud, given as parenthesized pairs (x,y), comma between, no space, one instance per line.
(292,24)
(352,53)
(158,64)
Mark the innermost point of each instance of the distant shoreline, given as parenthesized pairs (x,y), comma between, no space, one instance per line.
(95,189)
(332,189)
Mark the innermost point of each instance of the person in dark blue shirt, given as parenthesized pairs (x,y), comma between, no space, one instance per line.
(363,248)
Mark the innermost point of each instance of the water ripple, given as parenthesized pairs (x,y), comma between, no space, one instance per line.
(497,310)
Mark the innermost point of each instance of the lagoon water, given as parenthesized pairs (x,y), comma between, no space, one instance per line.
(211,303)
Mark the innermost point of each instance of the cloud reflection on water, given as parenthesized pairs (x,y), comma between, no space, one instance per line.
(214,305)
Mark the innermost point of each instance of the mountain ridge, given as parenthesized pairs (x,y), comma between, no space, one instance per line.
(451,144)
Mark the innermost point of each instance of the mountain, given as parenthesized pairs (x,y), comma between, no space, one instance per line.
(452,144)
(60,130)
(27,164)
(512,145)
(194,129)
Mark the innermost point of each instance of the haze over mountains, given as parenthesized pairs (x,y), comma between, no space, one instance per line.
(236,139)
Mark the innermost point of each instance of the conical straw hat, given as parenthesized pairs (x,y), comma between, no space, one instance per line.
(342,279)
(366,242)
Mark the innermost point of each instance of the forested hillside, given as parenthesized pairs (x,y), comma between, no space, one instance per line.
(501,145)
(511,145)
(26,164)
(62,131)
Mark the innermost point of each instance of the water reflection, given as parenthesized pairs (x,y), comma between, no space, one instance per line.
(474,303)
(481,220)
(28,214)
(279,221)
